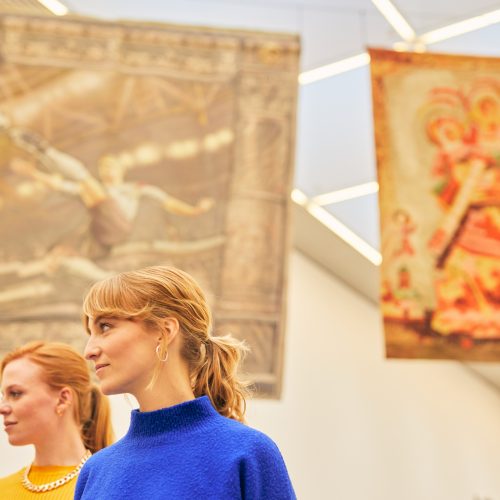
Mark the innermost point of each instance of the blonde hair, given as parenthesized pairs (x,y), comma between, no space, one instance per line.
(152,294)
(63,367)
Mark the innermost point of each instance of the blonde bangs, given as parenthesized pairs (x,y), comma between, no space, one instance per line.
(114,297)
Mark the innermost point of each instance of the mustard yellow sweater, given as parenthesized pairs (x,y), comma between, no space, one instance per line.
(11,487)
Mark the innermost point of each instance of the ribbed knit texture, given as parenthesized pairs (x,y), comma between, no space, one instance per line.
(187,451)
(12,489)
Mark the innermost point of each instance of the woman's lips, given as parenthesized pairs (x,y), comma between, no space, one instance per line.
(99,368)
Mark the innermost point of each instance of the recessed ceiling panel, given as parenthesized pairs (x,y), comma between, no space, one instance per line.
(377,32)
(335,134)
(330,35)
(425,15)
(245,15)
(485,42)
(361,216)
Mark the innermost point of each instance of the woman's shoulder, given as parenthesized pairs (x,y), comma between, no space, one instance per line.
(11,484)
(247,437)
(110,452)
(262,468)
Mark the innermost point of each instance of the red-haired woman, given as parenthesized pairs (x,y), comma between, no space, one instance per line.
(50,402)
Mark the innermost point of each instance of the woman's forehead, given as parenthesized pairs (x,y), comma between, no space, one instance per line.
(22,371)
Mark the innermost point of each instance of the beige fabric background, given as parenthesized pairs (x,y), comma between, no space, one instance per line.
(197,115)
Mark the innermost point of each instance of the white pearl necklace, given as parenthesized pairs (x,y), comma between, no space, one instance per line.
(37,488)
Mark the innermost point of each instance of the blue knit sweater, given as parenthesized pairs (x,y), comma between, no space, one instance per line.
(187,451)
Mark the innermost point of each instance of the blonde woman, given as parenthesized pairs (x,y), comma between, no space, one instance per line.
(150,335)
(48,401)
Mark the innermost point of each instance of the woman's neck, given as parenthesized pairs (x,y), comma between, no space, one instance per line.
(171,388)
(64,448)
(160,397)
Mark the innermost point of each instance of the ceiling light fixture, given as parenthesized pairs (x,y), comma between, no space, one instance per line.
(335,68)
(346,194)
(460,28)
(56,7)
(334,225)
(299,197)
(395,19)
(343,232)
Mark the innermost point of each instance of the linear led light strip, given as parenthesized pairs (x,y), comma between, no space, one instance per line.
(434,36)
(56,7)
(334,225)
(335,68)
(472,24)
(346,194)
(395,19)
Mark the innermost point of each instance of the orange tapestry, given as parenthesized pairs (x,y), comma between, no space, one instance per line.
(437,129)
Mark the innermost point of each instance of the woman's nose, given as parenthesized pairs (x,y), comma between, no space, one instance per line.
(5,409)
(92,350)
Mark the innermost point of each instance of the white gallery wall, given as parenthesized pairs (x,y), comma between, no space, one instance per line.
(353,426)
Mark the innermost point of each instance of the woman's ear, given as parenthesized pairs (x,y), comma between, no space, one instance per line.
(170,329)
(64,401)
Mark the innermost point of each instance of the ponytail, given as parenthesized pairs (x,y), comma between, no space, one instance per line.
(217,377)
(97,432)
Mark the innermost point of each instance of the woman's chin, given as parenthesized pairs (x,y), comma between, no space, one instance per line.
(110,389)
(13,441)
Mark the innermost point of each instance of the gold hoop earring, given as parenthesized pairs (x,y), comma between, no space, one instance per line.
(59,412)
(158,355)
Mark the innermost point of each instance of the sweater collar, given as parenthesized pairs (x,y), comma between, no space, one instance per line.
(190,415)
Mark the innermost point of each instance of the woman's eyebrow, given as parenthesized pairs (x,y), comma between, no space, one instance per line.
(11,386)
(100,318)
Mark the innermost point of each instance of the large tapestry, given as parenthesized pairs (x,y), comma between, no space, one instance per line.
(437,130)
(128,145)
